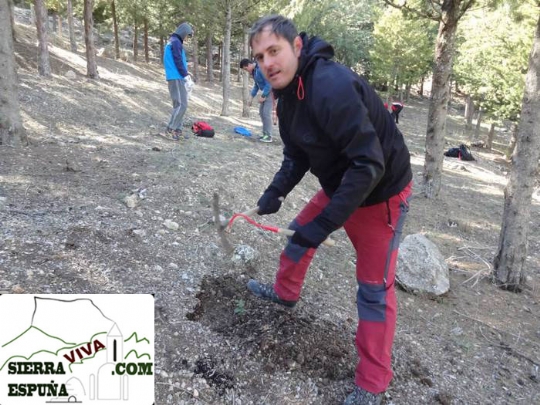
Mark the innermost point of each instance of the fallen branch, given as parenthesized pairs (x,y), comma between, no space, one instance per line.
(480,274)
(476,247)
(505,346)
(217,221)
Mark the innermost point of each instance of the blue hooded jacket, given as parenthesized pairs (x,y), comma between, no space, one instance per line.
(260,83)
(174,56)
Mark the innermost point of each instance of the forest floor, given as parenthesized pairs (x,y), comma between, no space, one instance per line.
(65,228)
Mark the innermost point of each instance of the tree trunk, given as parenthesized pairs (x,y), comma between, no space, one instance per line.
(220,62)
(513,141)
(469,112)
(115,30)
(226,70)
(54,21)
(245,76)
(146,51)
(44,65)
(91,65)
(390,84)
(209,59)
(11,129)
(59,27)
(12,19)
(407,92)
(195,41)
(450,82)
(438,105)
(98,28)
(135,42)
(32,14)
(421,91)
(509,263)
(71,28)
(491,134)
(239,71)
(478,124)
(161,47)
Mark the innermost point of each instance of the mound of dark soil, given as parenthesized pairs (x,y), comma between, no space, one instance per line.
(283,339)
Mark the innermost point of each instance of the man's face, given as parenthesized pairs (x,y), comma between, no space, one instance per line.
(277,59)
(249,67)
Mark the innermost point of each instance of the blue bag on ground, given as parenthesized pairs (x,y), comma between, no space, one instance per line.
(242,131)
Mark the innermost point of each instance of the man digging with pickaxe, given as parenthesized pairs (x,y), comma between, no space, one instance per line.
(333,123)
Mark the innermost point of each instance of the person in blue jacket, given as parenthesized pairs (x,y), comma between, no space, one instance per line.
(176,72)
(265,99)
(333,124)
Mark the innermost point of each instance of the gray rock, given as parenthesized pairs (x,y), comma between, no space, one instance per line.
(244,255)
(131,201)
(173,226)
(421,267)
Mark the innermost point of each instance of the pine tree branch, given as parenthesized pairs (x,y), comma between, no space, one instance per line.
(244,10)
(436,16)
(466,6)
(437,9)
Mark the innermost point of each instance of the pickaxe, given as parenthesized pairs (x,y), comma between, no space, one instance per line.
(247,216)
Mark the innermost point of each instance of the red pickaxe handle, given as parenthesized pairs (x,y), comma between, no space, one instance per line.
(275,229)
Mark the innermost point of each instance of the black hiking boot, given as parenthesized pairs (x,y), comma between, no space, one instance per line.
(266,292)
(362,397)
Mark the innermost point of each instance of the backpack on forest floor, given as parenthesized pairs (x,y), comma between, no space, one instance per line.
(465,153)
(462,152)
(203,129)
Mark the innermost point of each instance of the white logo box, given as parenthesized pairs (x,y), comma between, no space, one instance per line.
(77,348)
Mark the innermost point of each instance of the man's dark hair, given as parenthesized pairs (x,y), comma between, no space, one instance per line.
(244,63)
(278,25)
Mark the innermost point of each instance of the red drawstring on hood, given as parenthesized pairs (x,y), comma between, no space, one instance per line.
(313,49)
(300,90)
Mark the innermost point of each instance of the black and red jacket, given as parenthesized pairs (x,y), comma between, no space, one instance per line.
(334,124)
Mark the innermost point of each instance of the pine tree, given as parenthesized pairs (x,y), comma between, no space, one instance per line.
(11,129)
(509,264)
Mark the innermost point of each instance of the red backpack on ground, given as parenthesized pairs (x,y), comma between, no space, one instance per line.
(203,129)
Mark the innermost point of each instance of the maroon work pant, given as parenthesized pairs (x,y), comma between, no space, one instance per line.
(375,233)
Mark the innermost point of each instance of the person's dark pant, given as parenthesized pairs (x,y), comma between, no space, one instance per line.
(375,233)
(395,114)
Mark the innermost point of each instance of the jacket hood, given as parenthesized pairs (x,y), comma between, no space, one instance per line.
(184,30)
(313,49)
